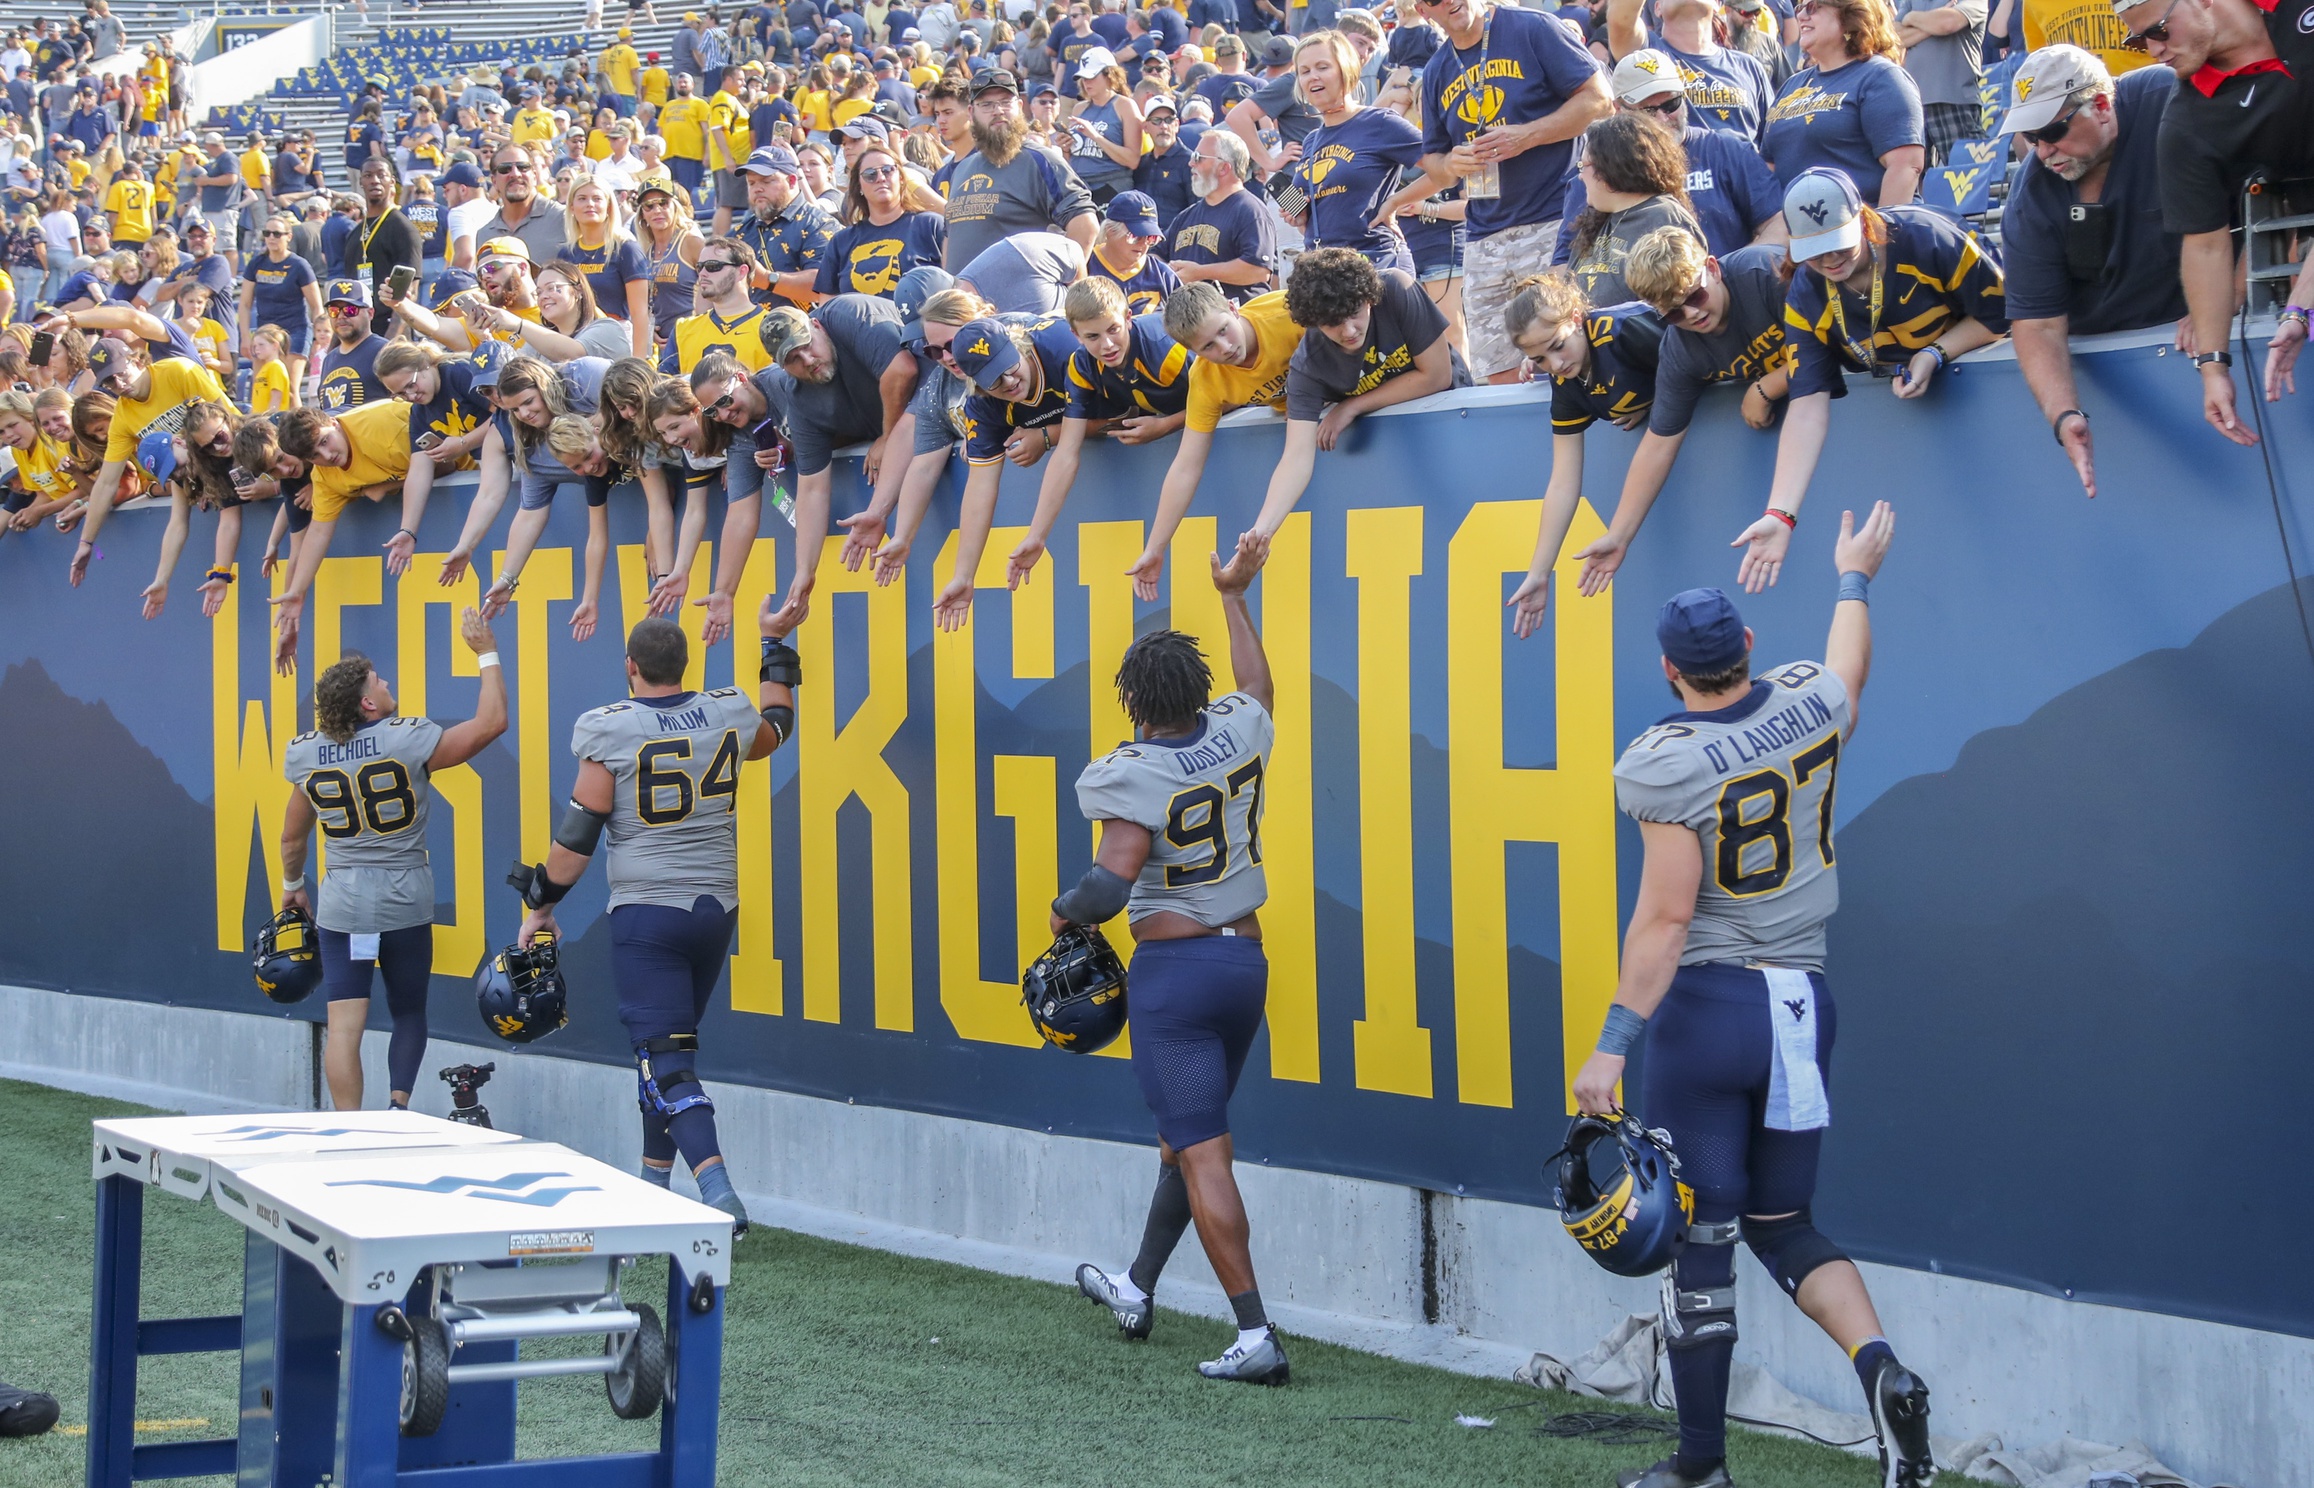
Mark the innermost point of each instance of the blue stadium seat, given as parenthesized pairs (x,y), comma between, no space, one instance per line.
(1960,190)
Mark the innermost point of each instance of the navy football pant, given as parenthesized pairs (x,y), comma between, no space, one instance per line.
(1709,1058)
(407,958)
(1195,1007)
(666,962)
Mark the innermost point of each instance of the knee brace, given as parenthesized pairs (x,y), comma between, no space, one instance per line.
(681,1090)
(1699,1295)
(1791,1248)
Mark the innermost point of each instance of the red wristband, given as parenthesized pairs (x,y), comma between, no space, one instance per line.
(1785,517)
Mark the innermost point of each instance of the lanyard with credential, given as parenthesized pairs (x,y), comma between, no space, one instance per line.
(1870,350)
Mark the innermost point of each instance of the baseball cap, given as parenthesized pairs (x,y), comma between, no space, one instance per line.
(2043,84)
(1645,74)
(993,80)
(1095,60)
(626,33)
(772,160)
(464,173)
(1278,51)
(1700,632)
(488,360)
(1136,212)
(212,138)
(654,186)
(783,331)
(908,296)
(109,357)
(911,34)
(448,283)
(1043,90)
(1160,101)
(1824,211)
(506,247)
(983,352)
(1748,7)
(346,292)
(866,126)
(157,453)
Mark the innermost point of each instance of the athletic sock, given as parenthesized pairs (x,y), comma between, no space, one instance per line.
(714,1182)
(1867,1357)
(664,1177)
(1126,1287)
(1247,1306)
(1168,1220)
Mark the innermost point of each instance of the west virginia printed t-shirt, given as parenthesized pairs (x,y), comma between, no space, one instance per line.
(1347,169)
(867,259)
(1404,324)
(1217,387)
(1524,67)
(1846,118)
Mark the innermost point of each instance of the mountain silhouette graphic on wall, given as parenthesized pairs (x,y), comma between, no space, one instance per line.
(2073,991)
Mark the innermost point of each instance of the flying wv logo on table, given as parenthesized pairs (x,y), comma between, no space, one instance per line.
(263,1133)
(514,1188)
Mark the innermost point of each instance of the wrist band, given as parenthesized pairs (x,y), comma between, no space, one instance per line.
(292,885)
(221,573)
(1936,351)
(405,532)
(1854,584)
(486,659)
(2057,427)
(2298,313)
(1622,1030)
(1784,517)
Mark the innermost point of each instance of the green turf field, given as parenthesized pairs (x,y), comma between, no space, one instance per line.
(846,1366)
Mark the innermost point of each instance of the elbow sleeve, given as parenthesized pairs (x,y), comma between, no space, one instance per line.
(1096,898)
(782,721)
(581,830)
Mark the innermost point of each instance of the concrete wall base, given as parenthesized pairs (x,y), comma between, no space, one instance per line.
(1341,1259)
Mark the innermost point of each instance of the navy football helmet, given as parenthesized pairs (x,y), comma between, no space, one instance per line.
(1075,991)
(521,992)
(1635,1220)
(287,957)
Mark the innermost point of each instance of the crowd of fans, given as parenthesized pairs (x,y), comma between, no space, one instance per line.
(947,230)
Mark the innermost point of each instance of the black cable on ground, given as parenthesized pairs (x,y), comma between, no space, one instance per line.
(2273,483)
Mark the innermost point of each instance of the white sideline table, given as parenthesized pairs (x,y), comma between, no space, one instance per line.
(362,1226)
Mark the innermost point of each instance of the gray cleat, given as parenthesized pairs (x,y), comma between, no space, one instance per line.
(1262,1364)
(730,1205)
(1666,1474)
(1134,1319)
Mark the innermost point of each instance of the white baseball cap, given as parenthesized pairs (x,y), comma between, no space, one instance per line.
(1095,60)
(1824,212)
(2043,83)
(1646,73)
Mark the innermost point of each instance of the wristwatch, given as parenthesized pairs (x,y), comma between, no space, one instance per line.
(2205,358)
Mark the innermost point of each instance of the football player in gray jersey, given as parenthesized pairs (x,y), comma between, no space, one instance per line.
(363,776)
(659,775)
(1723,972)
(1180,815)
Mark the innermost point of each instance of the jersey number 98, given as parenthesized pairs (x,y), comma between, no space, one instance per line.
(379,797)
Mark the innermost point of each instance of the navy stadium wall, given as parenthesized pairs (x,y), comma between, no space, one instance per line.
(2073,826)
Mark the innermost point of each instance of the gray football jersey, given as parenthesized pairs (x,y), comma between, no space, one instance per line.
(370,798)
(673,835)
(1755,781)
(1200,797)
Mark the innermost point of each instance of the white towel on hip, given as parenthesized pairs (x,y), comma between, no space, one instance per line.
(1795,1084)
(361,948)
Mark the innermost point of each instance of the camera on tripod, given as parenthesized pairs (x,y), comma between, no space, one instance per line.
(466,1082)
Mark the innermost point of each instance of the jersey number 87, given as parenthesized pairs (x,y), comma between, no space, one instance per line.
(1743,824)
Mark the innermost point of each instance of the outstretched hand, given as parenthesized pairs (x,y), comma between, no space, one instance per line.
(1863,550)
(1233,577)
(1764,543)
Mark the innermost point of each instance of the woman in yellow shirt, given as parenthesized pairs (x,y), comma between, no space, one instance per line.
(815,102)
(859,97)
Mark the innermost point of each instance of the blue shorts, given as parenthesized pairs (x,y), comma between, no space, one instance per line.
(1709,1058)
(1195,1007)
(666,963)
(405,955)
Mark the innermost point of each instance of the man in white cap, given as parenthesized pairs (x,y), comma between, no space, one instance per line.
(2248,102)
(2082,240)
(1734,194)
(1726,89)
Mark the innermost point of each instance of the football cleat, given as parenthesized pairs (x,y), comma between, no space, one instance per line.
(730,1205)
(1263,1363)
(1134,1319)
(1900,1416)
(1666,1474)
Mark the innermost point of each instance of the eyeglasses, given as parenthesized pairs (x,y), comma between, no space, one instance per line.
(2056,129)
(1807,8)
(880,173)
(711,268)
(1695,302)
(2135,41)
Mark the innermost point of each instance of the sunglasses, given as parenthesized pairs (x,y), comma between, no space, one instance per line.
(1667,108)
(730,396)
(273,232)
(2055,130)
(509,170)
(2159,31)
(1692,304)
(348,311)
(880,173)
(719,265)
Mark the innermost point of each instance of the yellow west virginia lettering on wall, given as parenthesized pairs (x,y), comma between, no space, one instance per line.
(1572,803)
(250,798)
(458,945)
(1024,785)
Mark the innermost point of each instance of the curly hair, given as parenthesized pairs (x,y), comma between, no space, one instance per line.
(337,696)
(1330,285)
(1164,681)
(1630,153)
